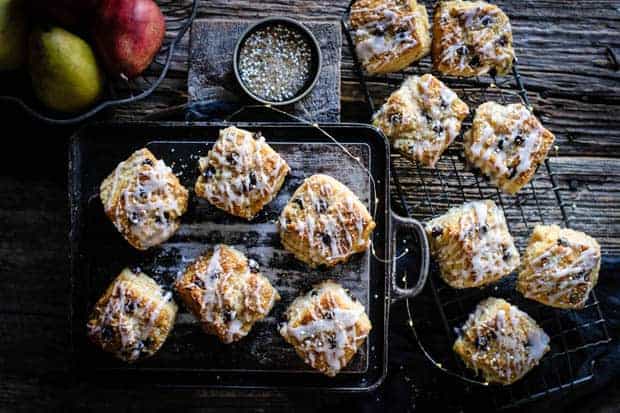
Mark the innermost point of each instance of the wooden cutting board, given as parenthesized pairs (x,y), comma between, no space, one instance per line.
(211,77)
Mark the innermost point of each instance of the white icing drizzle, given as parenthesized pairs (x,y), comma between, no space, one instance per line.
(328,335)
(243,172)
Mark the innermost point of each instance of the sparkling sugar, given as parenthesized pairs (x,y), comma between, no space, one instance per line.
(275,62)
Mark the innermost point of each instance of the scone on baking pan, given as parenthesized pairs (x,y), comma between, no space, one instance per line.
(241,173)
(471,38)
(389,35)
(326,327)
(560,267)
(226,292)
(422,118)
(324,223)
(144,200)
(507,143)
(501,341)
(472,245)
(133,317)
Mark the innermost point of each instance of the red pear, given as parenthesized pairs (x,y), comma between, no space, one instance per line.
(128,34)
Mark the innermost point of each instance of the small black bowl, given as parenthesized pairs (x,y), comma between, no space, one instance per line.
(315,69)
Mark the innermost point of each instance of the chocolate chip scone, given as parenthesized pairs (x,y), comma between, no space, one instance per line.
(560,267)
(226,292)
(326,327)
(471,38)
(324,223)
(389,35)
(241,173)
(422,118)
(501,341)
(507,143)
(472,245)
(133,317)
(144,200)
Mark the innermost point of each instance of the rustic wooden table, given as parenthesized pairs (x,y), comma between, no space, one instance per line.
(573,83)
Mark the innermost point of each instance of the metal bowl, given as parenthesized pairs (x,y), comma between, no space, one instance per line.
(312,42)
(179,14)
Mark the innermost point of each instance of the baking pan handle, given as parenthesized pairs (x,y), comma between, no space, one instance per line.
(402,223)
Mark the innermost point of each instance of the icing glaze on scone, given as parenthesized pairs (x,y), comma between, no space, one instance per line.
(133,318)
(472,244)
(507,143)
(144,199)
(324,222)
(501,341)
(471,38)
(227,293)
(422,118)
(389,35)
(326,327)
(560,267)
(240,174)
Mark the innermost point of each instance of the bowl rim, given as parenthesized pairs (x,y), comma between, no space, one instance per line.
(313,43)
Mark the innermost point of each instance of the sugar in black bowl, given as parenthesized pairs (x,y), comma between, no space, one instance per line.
(277,61)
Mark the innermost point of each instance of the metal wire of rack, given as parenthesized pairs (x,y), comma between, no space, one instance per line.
(178,14)
(576,336)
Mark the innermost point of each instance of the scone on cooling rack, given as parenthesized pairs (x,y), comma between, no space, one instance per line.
(389,35)
(144,200)
(226,292)
(560,267)
(324,222)
(326,327)
(241,173)
(133,317)
(472,245)
(422,118)
(471,38)
(501,341)
(507,143)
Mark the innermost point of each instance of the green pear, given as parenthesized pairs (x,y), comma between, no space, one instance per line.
(64,71)
(13,34)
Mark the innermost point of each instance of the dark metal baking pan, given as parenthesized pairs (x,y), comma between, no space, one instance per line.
(262,359)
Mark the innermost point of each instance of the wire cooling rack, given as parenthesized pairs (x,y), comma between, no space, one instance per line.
(576,336)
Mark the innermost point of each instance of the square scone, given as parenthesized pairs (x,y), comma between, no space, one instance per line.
(226,292)
(324,222)
(507,143)
(472,245)
(326,327)
(133,317)
(560,267)
(144,200)
(389,35)
(422,118)
(241,173)
(471,38)
(501,341)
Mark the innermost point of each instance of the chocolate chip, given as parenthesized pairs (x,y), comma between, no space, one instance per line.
(332,342)
(562,242)
(253,266)
(252,180)
(232,158)
(438,128)
(142,193)
(484,229)
(326,238)
(314,293)
(379,30)
(322,206)
(215,275)
(443,104)
(483,340)
(396,118)
(209,172)
(475,61)
(462,50)
(107,333)
(199,283)
(328,315)
(500,144)
(147,162)
(227,315)
(486,20)
(146,344)
(299,203)
(506,253)
(134,218)
(429,118)
(437,231)
(513,173)
(257,135)
(519,140)
(502,41)
(130,307)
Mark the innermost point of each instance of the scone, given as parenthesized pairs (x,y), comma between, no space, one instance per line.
(241,173)
(422,118)
(560,267)
(133,318)
(226,292)
(501,341)
(507,143)
(144,200)
(472,245)
(471,38)
(324,223)
(389,35)
(326,327)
